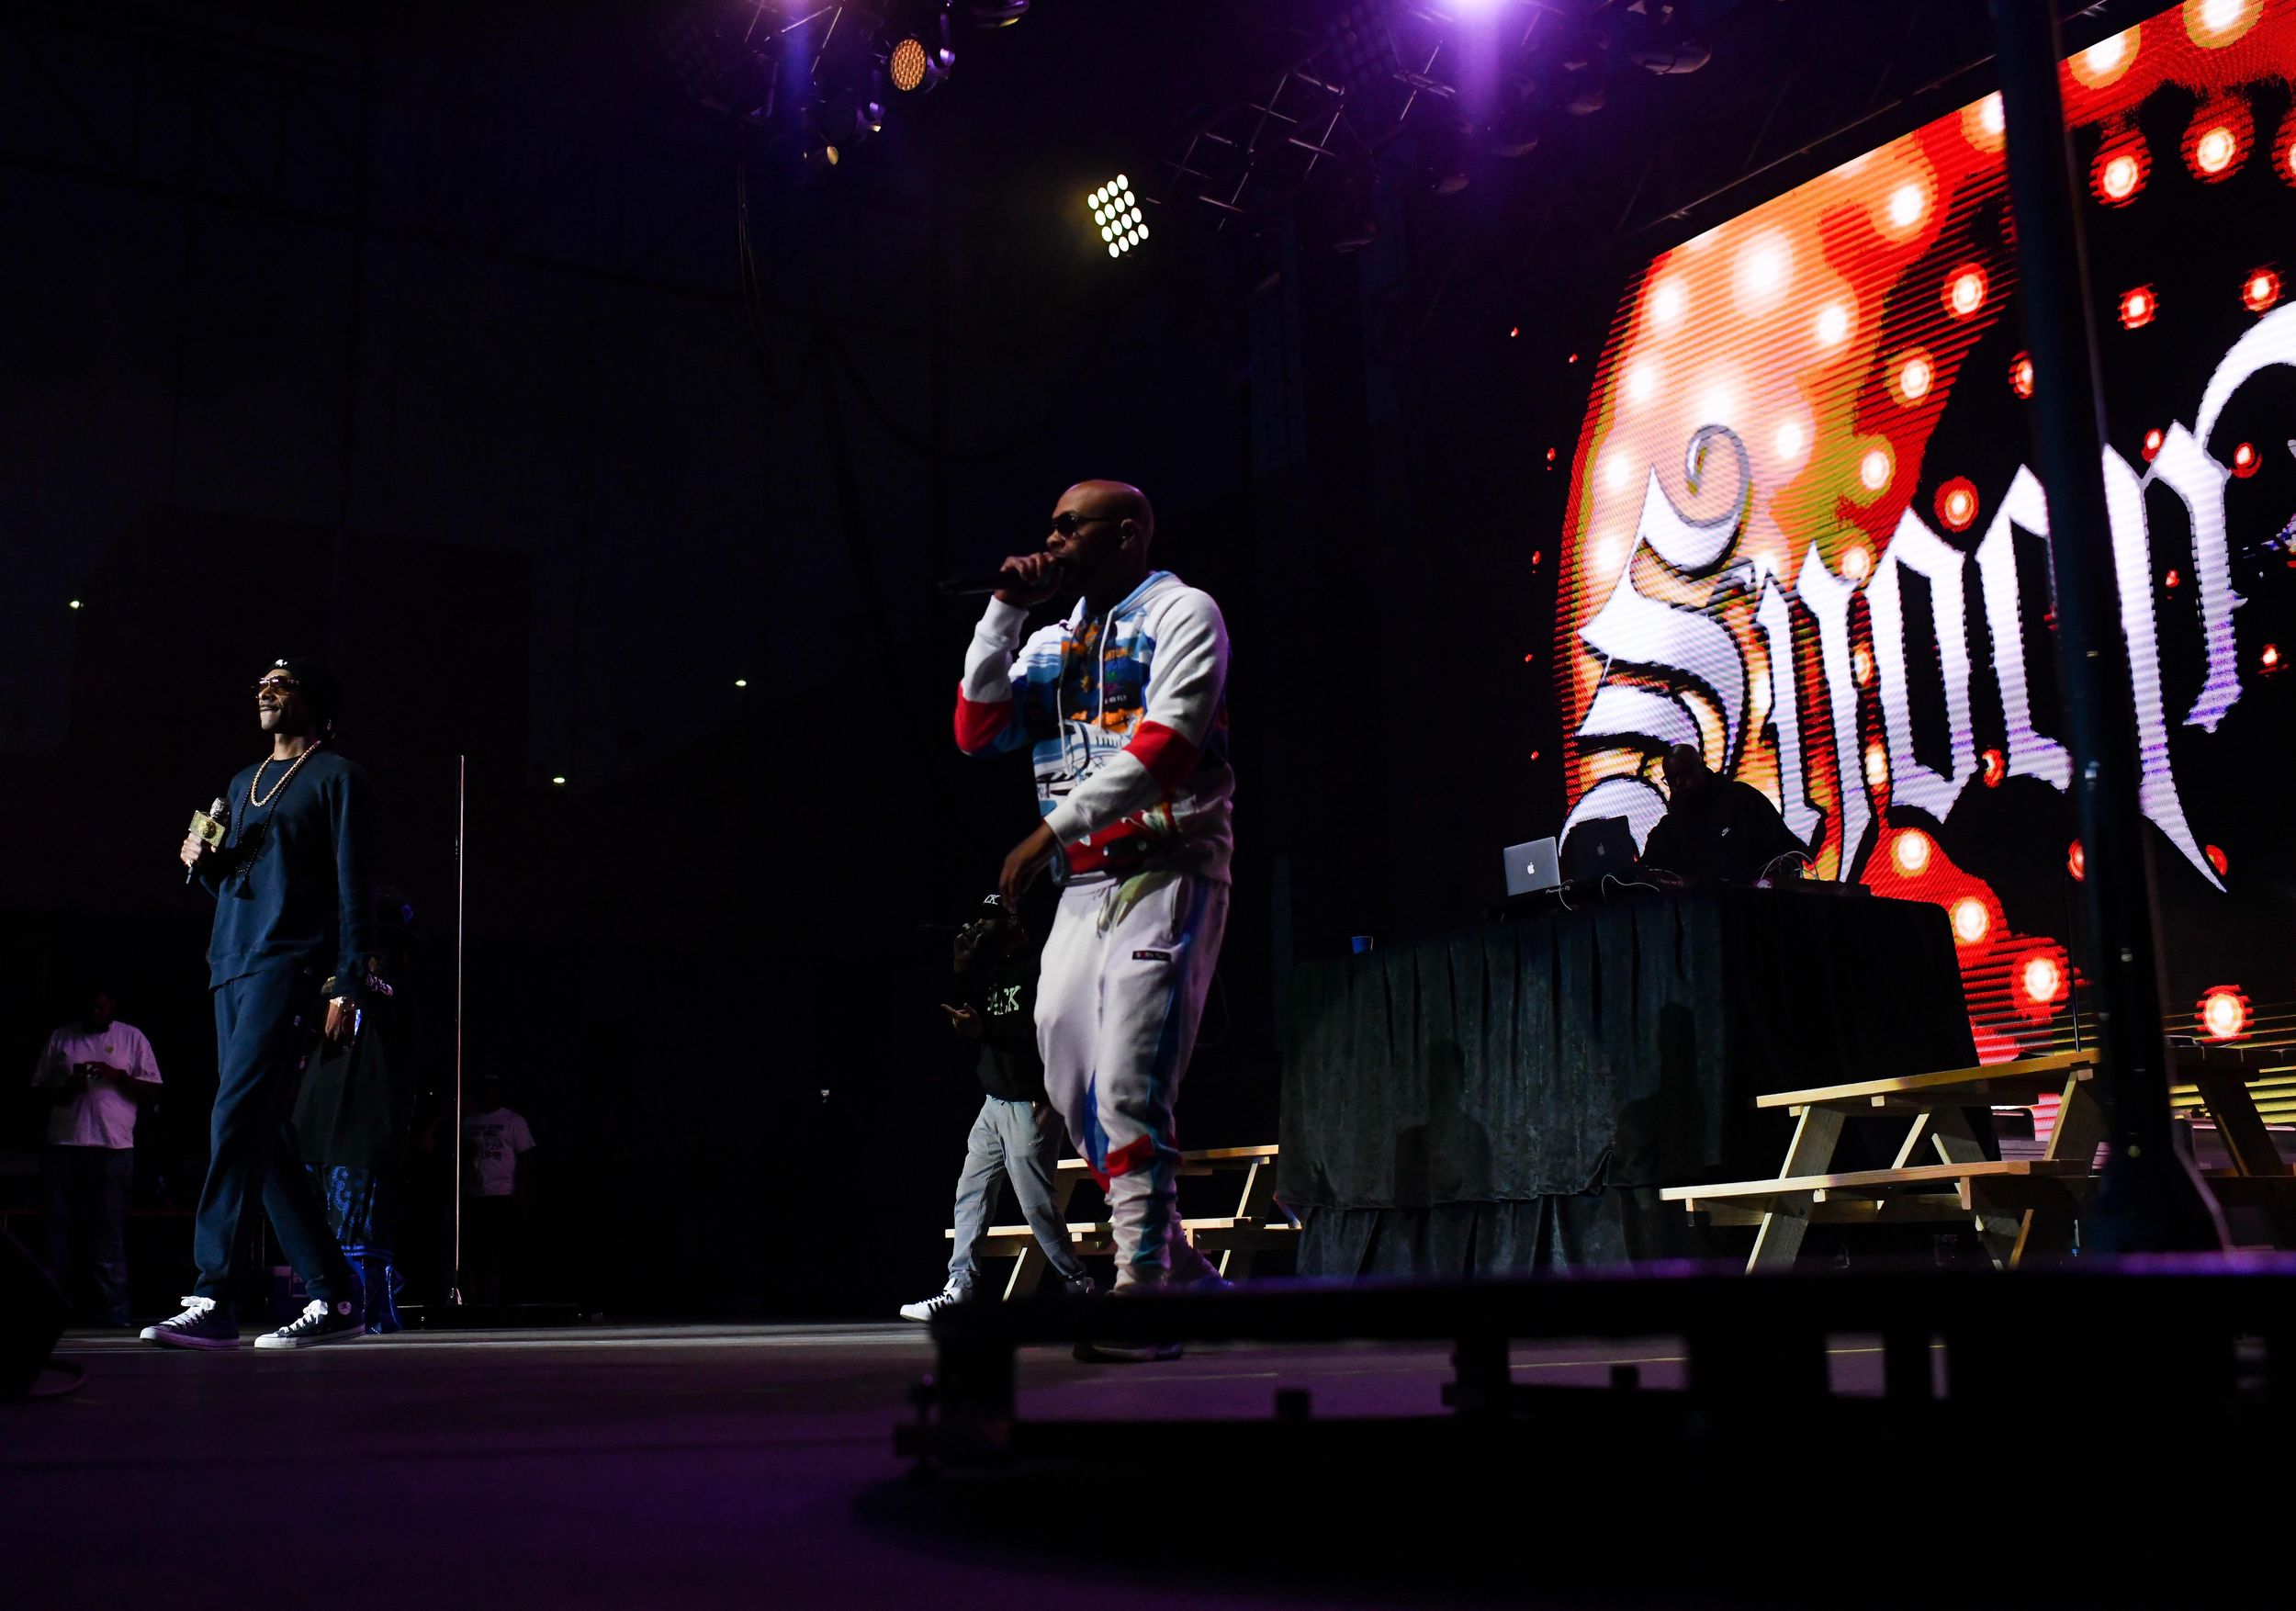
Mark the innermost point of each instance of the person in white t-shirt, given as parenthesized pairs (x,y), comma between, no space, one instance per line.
(494,1137)
(97,1073)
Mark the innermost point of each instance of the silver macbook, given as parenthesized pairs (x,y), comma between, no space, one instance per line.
(1532,867)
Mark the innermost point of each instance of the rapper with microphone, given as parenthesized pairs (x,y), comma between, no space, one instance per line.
(1121,704)
(287,962)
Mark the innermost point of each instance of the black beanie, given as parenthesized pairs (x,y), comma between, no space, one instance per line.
(321,692)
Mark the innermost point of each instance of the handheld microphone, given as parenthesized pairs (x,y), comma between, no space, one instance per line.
(210,825)
(987,582)
(972,586)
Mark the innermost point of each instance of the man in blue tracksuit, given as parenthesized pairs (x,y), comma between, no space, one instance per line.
(288,961)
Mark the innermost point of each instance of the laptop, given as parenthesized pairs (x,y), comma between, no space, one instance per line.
(1532,867)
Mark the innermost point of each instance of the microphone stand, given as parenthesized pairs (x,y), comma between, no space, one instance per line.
(462,794)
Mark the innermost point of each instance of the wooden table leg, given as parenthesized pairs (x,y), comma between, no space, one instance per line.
(2224,1092)
(2081,1129)
(1786,1222)
(1030,1268)
(1254,1205)
(1956,1143)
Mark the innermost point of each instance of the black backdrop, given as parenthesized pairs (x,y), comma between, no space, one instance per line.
(418,338)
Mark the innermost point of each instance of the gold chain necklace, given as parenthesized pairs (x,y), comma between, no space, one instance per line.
(256,782)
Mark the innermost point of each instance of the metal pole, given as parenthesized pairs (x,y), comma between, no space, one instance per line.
(2150,1200)
(462,794)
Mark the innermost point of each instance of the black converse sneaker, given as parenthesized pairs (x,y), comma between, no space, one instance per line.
(321,1322)
(202,1325)
(948,1298)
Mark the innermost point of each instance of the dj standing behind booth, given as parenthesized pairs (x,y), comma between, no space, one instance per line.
(96,1074)
(293,906)
(1715,829)
(1123,707)
(1017,1135)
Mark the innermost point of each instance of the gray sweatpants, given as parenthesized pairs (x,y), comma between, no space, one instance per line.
(1019,1142)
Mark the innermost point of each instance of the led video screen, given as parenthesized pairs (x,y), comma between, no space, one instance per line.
(1804,534)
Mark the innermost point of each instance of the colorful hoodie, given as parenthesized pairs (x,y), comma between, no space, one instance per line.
(1126,719)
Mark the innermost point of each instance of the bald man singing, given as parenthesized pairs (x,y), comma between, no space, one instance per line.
(1122,705)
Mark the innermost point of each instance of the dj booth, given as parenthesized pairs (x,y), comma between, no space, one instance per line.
(1514,1097)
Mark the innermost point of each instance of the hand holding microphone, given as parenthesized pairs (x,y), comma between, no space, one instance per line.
(207,828)
(1025,579)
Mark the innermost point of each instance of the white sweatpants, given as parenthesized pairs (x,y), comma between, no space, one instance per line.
(1124,977)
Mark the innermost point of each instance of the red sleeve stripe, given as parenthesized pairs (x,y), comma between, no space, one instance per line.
(978,724)
(1169,756)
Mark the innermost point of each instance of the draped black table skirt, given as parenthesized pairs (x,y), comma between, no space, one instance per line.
(1513,1097)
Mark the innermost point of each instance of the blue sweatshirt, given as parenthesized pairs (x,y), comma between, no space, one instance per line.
(291,882)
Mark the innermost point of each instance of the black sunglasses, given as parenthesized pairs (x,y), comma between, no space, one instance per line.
(1068,522)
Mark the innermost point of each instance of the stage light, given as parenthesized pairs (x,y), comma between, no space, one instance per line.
(1667,302)
(1991,116)
(2214,150)
(73,604)
(1914,377)
(1911,851)
(1964,293)
(2137,307)
(1116,212)
(1719,403)
(2245,460)
(1874,469)
(2271,658)
(2218,860)
(1993,766)
(742,681)
(1958,503)
(2106,60)
(2217,23)
(1907,204)
(2262,289)
(2153,440)
(2225,1013)
(1833,325)
(1862,665)
(2174,580)
(1971,921)
(557,782)
(2040,977)
(907,65)
(1876,768)
(1789,442)
(2076,861)
(2119,173)
(1642,382)
(1857,562)
(2022,374)
(1616,471)
(1764,270)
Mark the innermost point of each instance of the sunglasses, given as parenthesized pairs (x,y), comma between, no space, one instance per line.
(1068,522)
(282,684)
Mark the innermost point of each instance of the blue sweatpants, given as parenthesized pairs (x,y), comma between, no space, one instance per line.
(264,1026)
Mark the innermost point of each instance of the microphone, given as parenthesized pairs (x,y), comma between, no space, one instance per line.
(210,825)
(987,582)
(972,586)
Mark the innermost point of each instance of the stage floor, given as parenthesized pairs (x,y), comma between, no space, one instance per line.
(607,1465)
(666,1466)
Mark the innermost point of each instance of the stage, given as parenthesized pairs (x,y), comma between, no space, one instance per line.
(752,1465)
(632,1466)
